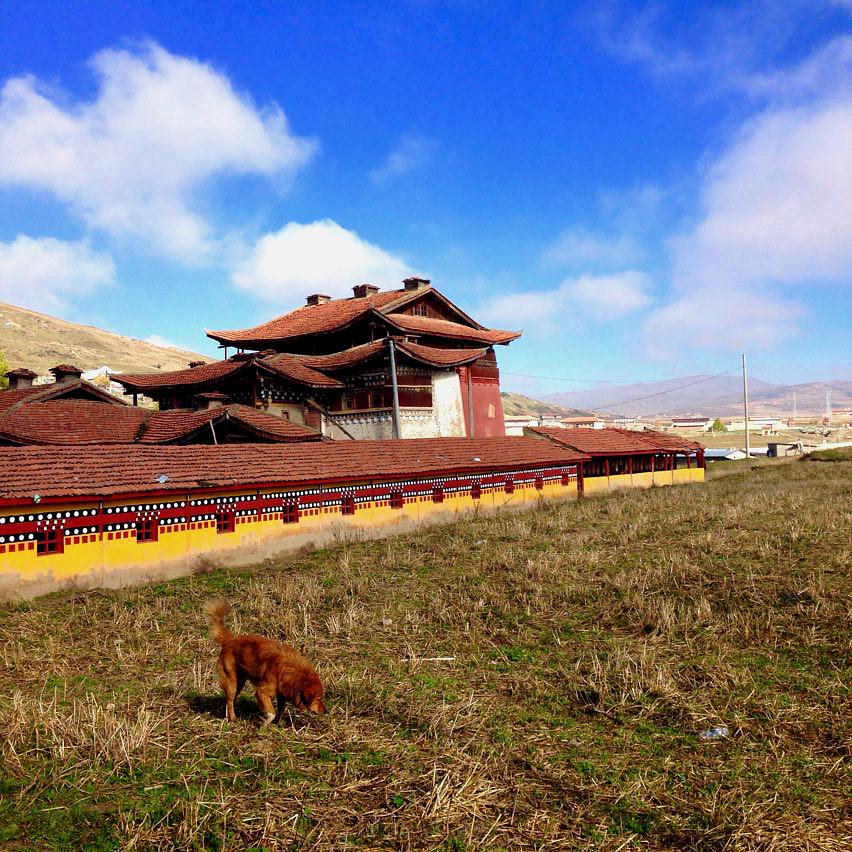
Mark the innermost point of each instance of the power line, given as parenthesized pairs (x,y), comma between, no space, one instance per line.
(607,381)
(660,393)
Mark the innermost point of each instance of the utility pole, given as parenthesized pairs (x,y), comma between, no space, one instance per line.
(828,405)
(745,407)
(395,386)
(795,407)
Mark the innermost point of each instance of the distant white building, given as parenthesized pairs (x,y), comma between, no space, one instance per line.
(695,421)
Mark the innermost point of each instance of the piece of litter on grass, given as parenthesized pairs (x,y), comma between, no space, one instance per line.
(431,659)
(718,733)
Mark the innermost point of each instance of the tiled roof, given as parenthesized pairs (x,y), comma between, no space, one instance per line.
(72,421)
(78,422)
(165,427)
(181,378)
(268,425)
(312,319)
(8,398)
(345,359)
(55,390)
(430,355)
(301,369)
(54,472)
(445,328)
(339,313)
(435,357)
(614,442)
(296,370)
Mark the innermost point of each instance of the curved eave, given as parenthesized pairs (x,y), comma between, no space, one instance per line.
(491,336)
(469,357)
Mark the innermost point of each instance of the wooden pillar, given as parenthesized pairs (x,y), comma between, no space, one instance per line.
(580,480)
(700,459)
(630,466)
(687,460)
(606,468)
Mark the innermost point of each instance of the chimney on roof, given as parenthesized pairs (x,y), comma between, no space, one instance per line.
(20,377)
(194,364)
(361,291)
(416,283)
(65,373)
(317,299)
(212,399)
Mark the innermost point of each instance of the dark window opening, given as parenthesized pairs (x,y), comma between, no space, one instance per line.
(347,505)
(49,541)
(147,530)
(475,491)
(437,495)
(539,483)
(290,513)
(396,500)
(509,487)
(566,478)
(225,522)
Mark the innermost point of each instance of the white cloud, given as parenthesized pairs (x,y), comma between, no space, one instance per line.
(732,320)
(321,257)
(604,297)
(776,222)
(579,247)
(129,161)
(411,153)
(608,296)
(45,274)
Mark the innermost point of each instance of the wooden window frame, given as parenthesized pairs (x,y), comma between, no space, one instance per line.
(475,491)
(147,530)
(50,542)
(397,499)
(438,495)
(347,504)
(225,522)
(539,483)
(290,512)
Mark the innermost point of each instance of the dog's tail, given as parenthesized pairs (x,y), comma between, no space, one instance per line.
(216,612)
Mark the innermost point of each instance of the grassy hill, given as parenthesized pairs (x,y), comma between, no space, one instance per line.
(516,403)
(524,681)
(39,342)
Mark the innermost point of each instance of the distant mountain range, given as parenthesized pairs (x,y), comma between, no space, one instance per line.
(39,342)
(720,396)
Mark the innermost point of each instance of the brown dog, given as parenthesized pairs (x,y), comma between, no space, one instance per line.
(275,670)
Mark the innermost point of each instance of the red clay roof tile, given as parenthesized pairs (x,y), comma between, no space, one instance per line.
(312,319)
(79,422)
(133,469)
(181,378)
(296,370)
(614,442)
(445,328)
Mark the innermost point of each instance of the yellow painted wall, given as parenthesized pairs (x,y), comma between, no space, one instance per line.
(101,546)
(110,554)
(604,484)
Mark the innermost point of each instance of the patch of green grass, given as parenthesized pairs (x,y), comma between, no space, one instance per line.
(590,645)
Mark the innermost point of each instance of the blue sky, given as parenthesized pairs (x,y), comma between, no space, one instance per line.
(646,189)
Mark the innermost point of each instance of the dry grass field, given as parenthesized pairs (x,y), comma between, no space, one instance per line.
(524,681)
